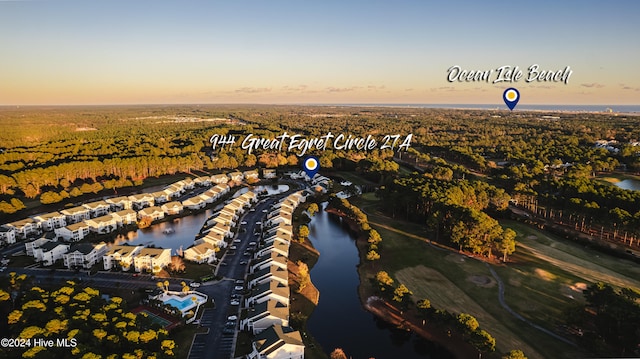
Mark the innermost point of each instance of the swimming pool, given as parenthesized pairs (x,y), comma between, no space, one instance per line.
(183,302)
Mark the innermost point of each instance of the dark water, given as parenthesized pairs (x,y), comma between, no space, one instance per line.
(629,183)
(184,232)
(339,321)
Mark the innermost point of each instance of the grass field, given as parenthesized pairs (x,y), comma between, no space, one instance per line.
(535,288)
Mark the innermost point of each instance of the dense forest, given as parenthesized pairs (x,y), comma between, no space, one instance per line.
(544,159)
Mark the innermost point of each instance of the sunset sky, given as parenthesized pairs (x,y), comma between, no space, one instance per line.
(148,52)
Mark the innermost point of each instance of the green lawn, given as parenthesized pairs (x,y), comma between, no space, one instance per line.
(444,277)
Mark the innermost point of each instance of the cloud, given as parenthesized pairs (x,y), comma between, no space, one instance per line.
(375,88)
(253,89)
(444,88)
(593,84)
(342,89)
(625,87)
(299,88)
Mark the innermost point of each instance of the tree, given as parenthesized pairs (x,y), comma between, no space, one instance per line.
(303,232)
(515,354)
(507,243)
(384,280)
(303,275)
(468,322)
(338,353)
(373,255)
(400,293)
(374,237)
(312,209)
(424,304)
(17,204)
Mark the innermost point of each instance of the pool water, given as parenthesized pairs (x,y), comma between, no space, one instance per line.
(183,304)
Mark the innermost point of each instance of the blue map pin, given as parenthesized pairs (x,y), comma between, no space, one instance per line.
(311,165)
(511,97)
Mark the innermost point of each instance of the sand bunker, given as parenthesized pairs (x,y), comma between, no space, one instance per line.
(543,274)
(482,281)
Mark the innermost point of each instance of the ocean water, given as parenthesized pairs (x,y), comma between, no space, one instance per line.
(521,107)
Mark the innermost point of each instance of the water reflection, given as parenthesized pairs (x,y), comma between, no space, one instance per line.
(339,321)
(183,233)
(629,183)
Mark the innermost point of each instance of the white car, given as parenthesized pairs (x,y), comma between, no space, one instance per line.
(232,317)
(233,247)
(265,211)
(235,302)
(243,222)
(238,287)
(237,241)
(258,223)
(194,285)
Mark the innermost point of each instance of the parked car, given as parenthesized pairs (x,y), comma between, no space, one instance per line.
(243,263)
(237,241)
(239,281)
(265,211)
(232,317)
(238,288)
(235,302)
(233,247)
(194,285)
(243,222)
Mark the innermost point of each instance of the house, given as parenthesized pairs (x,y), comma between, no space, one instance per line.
(281,238)
(173,191)
(125,217)
(221,189)
(251,175)
(73,232)
(277,342)
(50,252)
(223,218)
(185,184)
(236,176)
(172,208)
(219,178)
(206,198)
(152,259)
(230,212)
(215,239)
(120,257)
(280,247)
(264,315)
(97,209)
(7,234)
(282,216)
(76,214)
(249,198)
(160,197)
(272,290)
(119,203)
(84,255)
(267,260)
(50,221)
(265,275)
(194,203)
(31,245)
(237,206)
(279,229)
(269,173)
(24,227)
(102,225)
(139,201)
(154,212)
(204,181)
(224,230)
(201,253)
(213,194)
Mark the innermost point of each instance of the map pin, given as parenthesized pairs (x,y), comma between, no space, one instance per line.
(511,97)
(311,165)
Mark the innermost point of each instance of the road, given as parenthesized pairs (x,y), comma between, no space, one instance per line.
(215,344)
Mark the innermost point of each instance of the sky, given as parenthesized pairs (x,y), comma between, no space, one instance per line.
(303,52)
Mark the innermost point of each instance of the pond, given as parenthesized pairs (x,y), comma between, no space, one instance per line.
(174,234)
(339,320)
(629,183)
